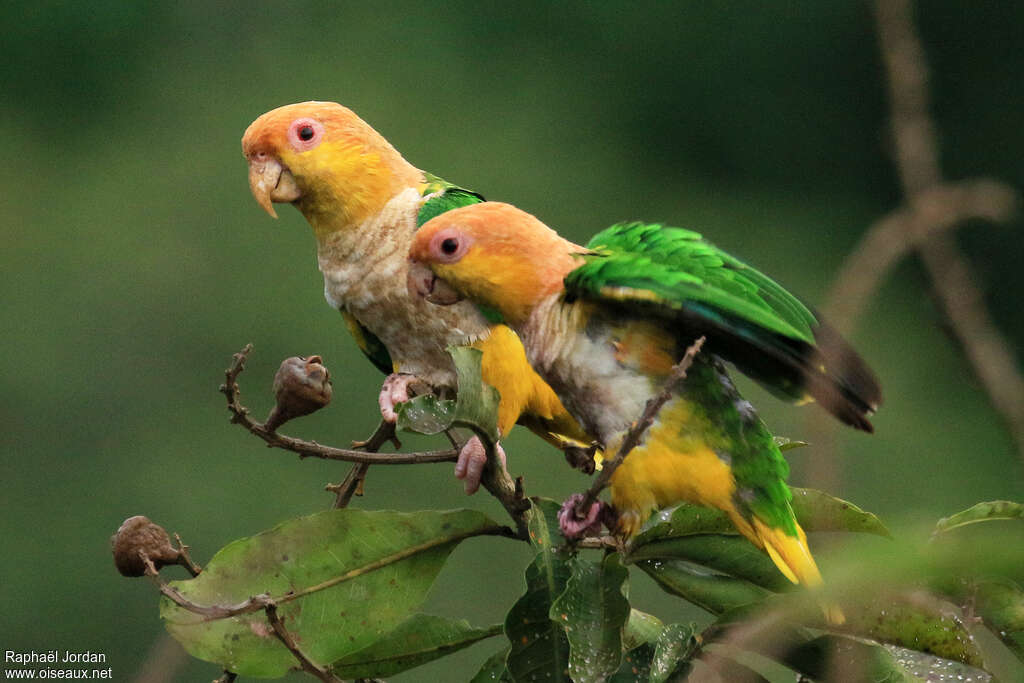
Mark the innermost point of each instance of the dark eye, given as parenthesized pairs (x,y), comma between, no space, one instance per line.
(304,134)
(450,246)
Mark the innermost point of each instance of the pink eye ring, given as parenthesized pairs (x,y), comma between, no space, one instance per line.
(304,134)
(449,245)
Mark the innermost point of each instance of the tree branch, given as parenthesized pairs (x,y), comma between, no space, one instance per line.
(935,210)
(636,431)
(353,483)
(307,449)
(497,481)
(931,210)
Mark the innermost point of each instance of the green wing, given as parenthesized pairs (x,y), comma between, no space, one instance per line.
(369,344)
(749,319)
(450,197)
(677,268)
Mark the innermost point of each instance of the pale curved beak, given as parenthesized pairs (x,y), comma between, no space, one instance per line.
(422,282)
(269,182)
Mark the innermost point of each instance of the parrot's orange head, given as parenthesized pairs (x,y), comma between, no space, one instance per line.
(327,161)
(494,254)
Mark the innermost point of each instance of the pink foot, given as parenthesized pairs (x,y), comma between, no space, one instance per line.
(395,390)
(573,526)
(470,464)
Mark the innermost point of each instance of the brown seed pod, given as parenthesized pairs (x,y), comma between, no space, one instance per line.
(302,386)
(137,539)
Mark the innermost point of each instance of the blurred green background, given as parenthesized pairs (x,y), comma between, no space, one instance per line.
(135,262)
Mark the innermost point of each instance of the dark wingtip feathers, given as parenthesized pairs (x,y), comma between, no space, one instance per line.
(848,388)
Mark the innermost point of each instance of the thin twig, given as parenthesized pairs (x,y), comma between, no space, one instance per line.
(351,486)
(185,560)
(307,449)
(282,634)
(353,483)
(637,429)
(253,604)
(385,432)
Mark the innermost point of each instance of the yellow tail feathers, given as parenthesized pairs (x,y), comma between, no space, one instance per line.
(793,558)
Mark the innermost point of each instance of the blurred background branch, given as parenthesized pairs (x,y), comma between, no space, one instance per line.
(931,210)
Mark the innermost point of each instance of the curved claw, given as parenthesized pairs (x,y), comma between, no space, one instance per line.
(395,390)
(470,465)
(572,525)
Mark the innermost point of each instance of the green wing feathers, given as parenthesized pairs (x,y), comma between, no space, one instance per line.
(372,347)
(446,197)
(749,319)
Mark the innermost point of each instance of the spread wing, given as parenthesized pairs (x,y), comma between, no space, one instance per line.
(673,274)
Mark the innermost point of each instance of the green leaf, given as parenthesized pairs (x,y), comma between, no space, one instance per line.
(918,666)
(494,669)
(785,444)
(764,637)
(731,662)
(342,580)
(636,665)
(999,601)
(982,512)
(540,649)
(769,633)
(1000,661)
(542,523)
(420,639)
(731,555)
(675,646)
(815,510)
(714,592)
(682,520)
(640,628)
(818,511)
(834,658)
(593,611)
(426,414)
(1001,605)
(475,406)
(917,621)
(837,657)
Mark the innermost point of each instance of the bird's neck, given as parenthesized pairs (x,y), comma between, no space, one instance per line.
(542,281)
(359,190)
